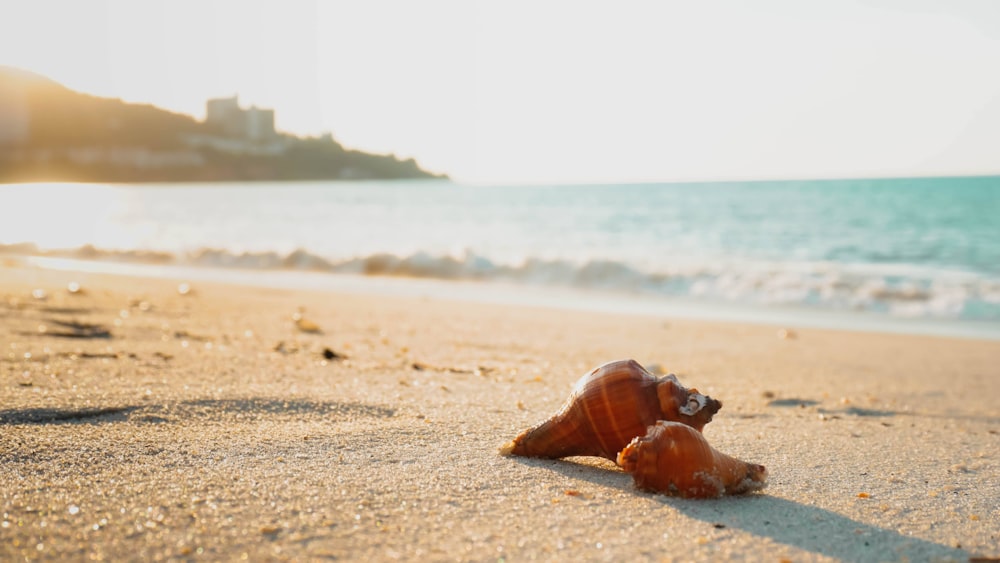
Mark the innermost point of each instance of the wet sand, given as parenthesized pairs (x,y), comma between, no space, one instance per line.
(137,422)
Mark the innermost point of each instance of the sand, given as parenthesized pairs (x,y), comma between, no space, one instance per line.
(210,425)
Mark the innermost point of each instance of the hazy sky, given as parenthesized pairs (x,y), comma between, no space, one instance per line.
(573,91)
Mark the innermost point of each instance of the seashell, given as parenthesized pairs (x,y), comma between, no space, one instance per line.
(607,408)
(674,459)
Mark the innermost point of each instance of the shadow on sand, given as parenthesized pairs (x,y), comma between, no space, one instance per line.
(68,415)
(860,412)
(801,526)
(248,409)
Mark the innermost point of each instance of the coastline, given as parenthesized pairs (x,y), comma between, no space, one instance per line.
(209,423)
(514,294)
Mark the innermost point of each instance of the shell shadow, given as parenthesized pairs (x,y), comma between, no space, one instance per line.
(813,529)
(809,528)
(577,468)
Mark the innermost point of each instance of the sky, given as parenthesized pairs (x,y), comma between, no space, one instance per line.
(538,92)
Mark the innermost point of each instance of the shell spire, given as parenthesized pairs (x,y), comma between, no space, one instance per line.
(676,460)
(607,408)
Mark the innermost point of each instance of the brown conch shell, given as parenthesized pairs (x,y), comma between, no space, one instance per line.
(677,460)
(607,408)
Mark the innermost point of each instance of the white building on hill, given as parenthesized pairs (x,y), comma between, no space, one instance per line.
(253,123)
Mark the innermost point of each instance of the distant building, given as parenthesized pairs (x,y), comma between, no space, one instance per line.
(13,115)
(232,120)
(260,123)
(225,113)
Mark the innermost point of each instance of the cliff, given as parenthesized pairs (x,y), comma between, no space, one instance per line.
(51,133)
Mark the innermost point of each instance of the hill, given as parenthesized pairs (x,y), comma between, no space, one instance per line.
(51,133)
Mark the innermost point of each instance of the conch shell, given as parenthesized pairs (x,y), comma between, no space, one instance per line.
(677,460)
(607,408)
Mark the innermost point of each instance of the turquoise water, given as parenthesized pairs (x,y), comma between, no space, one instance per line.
(902,248)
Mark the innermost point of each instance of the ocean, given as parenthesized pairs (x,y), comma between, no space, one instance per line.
(916,255)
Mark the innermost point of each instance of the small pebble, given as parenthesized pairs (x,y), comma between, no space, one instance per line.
(305,325)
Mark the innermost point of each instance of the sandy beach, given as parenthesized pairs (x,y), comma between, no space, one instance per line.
(140,422)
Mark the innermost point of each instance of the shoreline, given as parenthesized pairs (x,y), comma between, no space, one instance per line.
(211,422)
(559,298)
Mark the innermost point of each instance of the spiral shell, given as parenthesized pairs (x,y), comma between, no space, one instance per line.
(677,460)
(609,407)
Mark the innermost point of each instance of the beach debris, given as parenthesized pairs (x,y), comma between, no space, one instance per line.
(787,334)
(675,459)
(270,530)
(75,329)
(304,324)
(184,288)
(79,354)
(864,495)
(74,288)
(607,408)
(286,349)
(39,294)
(185,335)
(329,354)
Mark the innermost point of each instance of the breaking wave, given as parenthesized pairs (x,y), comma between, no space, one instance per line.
(897,290)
